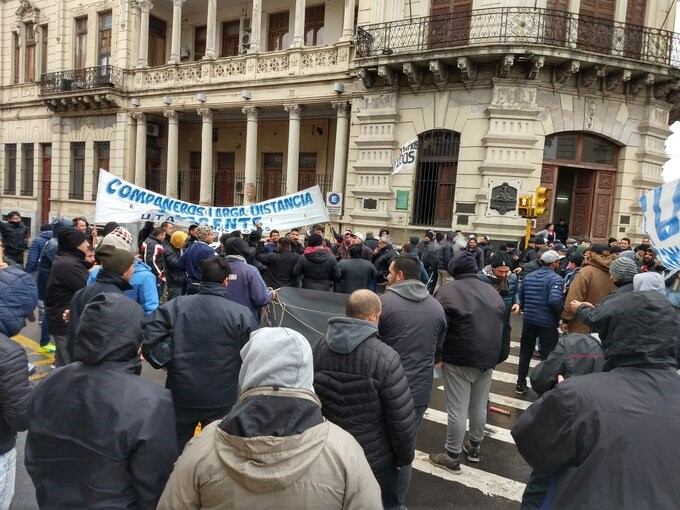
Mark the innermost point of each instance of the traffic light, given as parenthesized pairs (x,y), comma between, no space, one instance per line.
(524,206)
(540,201)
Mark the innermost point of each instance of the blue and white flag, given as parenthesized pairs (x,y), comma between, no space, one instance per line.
(124,202)
(661,210)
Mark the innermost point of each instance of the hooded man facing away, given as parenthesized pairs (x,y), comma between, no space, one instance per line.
(100,436)
(274,450)
(614,438)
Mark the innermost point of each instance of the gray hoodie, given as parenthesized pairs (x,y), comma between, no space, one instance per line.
(345,334)
(648,281)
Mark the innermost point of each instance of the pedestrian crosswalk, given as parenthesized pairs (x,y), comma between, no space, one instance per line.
(498,481)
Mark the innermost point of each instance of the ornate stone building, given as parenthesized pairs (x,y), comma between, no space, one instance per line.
(231,101)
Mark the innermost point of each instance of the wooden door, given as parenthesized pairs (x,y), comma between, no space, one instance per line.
(596,25)
(582,203)
(444,193)
(635,17)
(230,38)
(557,19)
(272,176)
(605,183)
(450,23)
(306,170)
(193,186)
(549,182)
(225,179)
(46,185)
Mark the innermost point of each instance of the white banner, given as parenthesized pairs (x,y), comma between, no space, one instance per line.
(408,156)
(661,210)
(121,201)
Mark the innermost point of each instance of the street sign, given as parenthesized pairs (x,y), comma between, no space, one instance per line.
(334,202)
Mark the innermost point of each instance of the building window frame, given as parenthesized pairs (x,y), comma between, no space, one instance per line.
(76,182)
(277,29)
(104,37)
(158,30)
(45,47)
(30,46)
(80,42)
(231,42)
(102,159)
(27,169)
(16,57)
(200,41)
(315,20)
(10,178)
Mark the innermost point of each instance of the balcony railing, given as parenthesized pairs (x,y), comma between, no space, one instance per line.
(81,79)
(520,25)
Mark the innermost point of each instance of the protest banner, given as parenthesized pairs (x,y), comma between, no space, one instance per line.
(408,156)
(124,202)
(661,211)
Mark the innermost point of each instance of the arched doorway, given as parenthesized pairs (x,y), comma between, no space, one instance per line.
(435,182)
(579,170)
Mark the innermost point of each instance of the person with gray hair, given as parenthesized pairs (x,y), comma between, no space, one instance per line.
(274,449)
(382,257)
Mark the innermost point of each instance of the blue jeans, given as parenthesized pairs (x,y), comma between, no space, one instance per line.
(8,471)
(44,329)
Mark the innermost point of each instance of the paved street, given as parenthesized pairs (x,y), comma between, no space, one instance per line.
(496,483)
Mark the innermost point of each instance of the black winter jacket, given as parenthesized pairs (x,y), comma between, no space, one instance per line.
(356,274)
(279,268)
(14,236)
(67,276)
(319,270)
(174,274)
(15,392)
(100,436)
(383,260)
(474,314)
(363,389)
(18,298)
(208,331)
(152,255)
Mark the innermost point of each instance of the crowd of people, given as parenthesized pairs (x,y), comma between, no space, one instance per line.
(286,425)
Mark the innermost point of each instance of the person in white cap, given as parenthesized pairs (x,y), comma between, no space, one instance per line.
(274,449)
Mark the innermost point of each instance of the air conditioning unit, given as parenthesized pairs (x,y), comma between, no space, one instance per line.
(245,34)
(153,130)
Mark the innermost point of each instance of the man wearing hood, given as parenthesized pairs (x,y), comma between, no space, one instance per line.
(622,271)
(613,438)
(67,276)
(117,268)
(363,389)
(108,440)
(196,252)
(274,449)
(591,284)
(498,275)
(317,267)
(36,248)
(207,330)
(246,286)
(470,351)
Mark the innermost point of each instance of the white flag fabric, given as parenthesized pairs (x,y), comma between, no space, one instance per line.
(124,202)
(408,157)
(661,210)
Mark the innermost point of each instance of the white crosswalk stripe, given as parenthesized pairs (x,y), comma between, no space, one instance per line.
(515,361)
(492,431)
(504,401)
(488,484)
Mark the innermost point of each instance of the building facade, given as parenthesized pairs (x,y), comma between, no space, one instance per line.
(233,101)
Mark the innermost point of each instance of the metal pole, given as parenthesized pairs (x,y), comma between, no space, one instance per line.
(527,234)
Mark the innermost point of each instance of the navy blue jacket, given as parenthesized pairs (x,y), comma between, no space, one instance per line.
(511,297)
(540,297)
(36,249)
(192,257)
(19,298)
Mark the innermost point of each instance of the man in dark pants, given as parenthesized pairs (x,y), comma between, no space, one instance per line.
(540,297)
(207,331)
(14,237)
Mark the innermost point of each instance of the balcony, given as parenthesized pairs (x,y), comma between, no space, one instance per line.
(90,88)
(509,26)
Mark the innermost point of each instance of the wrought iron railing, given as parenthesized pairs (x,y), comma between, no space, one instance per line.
(81,79)
(520,25)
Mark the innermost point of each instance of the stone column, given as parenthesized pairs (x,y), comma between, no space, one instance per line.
(21,72)
(211,32)
(140,152)
(255,27)
(38,53)
(299,31)
(145,7)
(206,156)
(292,166)
(131,139)
(175,47)
(348,21)
(250,194)
(341,139)
(173,153)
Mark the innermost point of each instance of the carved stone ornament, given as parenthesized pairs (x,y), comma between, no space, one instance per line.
(588,77)
(366,77)
(646,80)
(205,113)
(503,198)
(388,75)
(173,116)
(440,71)
(564,72)
(251,112)
(536,65)
(506,64)
(26,12)
(514,97)
(662,90)
(615,79)
(467,69)
(294,110)
(413,74)
(591,110)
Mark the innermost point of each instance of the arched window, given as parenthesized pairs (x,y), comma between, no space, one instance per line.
(580,149)
(435,183)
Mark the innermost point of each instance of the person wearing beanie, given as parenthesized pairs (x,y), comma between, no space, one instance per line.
(67,276)
(472,347)
(363,389)
(621,271)
(174,275)
(117,267)
(143,281)
(317,266)
(109,227)
(274,449)
(196,252)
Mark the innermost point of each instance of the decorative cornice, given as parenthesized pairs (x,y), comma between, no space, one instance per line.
(205,113)
(139,116)
(342,107)
(251,112)
(173,116)
(294,110)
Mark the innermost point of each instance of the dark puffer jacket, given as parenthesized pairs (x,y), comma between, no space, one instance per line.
(36,249)
(363,389)
(383,260)
(174,274)
(318,268)
(68,276)
(279,268)
(604,426)
(109,440)
(14,236)
(540,297)
(18,298)
(474,315)
(356,274)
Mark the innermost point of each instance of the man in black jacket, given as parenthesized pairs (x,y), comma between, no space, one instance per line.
(117,268)
(356,272)
(318,267)
(14,237)
(363,389)
(279,265)
(472,347)
(604,427)
(100,436)
(207,331)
